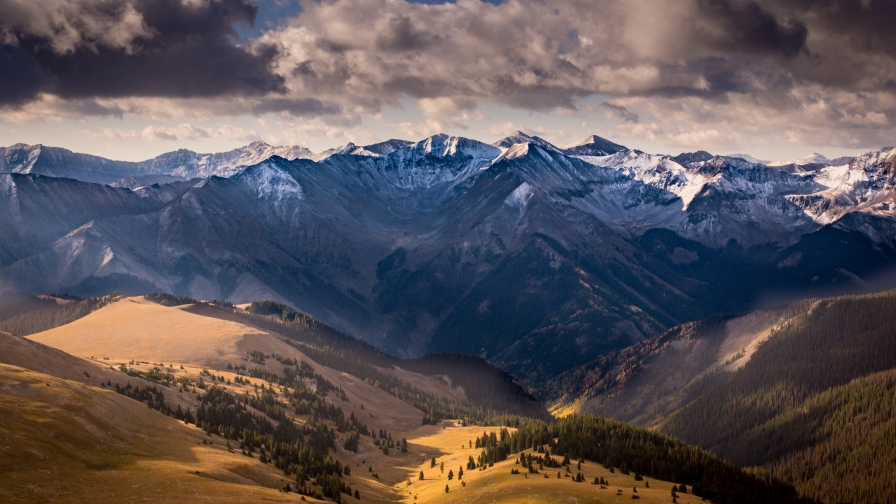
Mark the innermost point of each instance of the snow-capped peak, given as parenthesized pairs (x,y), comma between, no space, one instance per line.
(442,145)
(387,147)
(336,151)
(593,145)
(521,138)
(270,182)
(748,158)
(814,158)
(693,158)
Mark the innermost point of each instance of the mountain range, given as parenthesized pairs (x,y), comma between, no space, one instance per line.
(536,257)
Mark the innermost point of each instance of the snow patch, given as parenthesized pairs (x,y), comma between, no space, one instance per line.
(272,183)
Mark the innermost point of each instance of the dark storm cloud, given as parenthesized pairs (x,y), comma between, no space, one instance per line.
(123,48)
(295,107)
(866,25)
(745,26)
(21,77)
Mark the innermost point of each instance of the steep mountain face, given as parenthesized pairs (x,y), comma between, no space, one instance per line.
(714,199)
(518,251)
(179,165)
(864,186)
(36,211)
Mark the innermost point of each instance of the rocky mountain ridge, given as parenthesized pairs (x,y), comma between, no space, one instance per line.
(535,257)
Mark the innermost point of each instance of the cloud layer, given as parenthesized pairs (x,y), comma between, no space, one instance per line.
(124,48)
(804,69)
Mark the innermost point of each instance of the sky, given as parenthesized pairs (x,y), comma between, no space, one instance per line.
(131,79)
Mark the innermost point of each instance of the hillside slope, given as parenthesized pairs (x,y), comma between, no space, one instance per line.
(803,391)
(836,446)
(64,441)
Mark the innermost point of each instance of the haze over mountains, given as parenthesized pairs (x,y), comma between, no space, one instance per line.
(536,257)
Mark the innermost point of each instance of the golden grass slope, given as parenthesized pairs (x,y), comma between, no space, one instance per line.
(496,485)
(63,441)
(135,328)
(140,330)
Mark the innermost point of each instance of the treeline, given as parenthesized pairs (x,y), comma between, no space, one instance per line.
(637,450)
(765,414)
(36,314)
(299,451)
(171,300)
(302,452)
(491,391)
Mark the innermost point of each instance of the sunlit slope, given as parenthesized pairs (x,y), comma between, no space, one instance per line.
(63,441)
(496,484)
(135,328)
(653,378)
(140,330)
(804,391)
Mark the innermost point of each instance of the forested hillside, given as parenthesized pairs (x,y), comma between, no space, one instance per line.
(35,314)
(834,342)
(803,392)
(631,449)
(837,446)
(491,392)
(814,405)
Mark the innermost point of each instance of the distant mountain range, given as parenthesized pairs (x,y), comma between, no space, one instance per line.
(538,258)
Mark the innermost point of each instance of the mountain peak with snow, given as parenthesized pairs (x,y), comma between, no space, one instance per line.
(593,145)
(690,158)
(387,147)
(814,158)
(749,158)
(520,138)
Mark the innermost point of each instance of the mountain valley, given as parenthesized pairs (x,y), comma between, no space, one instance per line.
(144,379)
(307,325)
